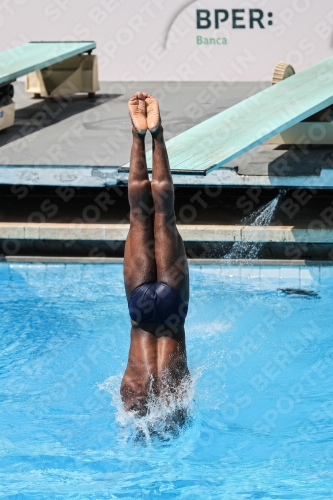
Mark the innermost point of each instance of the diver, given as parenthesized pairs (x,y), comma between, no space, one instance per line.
(156,272)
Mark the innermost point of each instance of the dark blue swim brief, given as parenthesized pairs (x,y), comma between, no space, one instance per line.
(157,303)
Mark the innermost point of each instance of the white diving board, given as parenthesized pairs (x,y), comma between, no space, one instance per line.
(253,121)
(34,56)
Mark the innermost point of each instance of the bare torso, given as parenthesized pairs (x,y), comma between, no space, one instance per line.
(153,361)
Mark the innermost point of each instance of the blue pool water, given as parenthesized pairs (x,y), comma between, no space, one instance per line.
(261,407)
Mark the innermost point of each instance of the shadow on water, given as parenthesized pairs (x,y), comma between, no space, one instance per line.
(299,291)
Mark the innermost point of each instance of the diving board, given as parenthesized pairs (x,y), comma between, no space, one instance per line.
(229,134)
(53,69)
(34,56)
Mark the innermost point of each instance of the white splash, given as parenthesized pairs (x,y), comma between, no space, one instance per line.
(167,416)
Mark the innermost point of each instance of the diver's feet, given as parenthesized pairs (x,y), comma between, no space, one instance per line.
(138,112)
(153,114)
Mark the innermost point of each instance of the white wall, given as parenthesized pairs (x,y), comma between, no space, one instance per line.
(157,39)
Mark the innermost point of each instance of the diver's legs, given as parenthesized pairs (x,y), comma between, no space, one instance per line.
(139,268)
(171,262)
(139,258)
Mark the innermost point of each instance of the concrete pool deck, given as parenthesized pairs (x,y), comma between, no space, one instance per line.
(83,141)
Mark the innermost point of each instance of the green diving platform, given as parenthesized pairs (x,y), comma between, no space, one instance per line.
(52,69)
(35,56)
(227,135)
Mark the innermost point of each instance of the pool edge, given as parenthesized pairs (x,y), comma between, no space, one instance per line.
(120,260)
